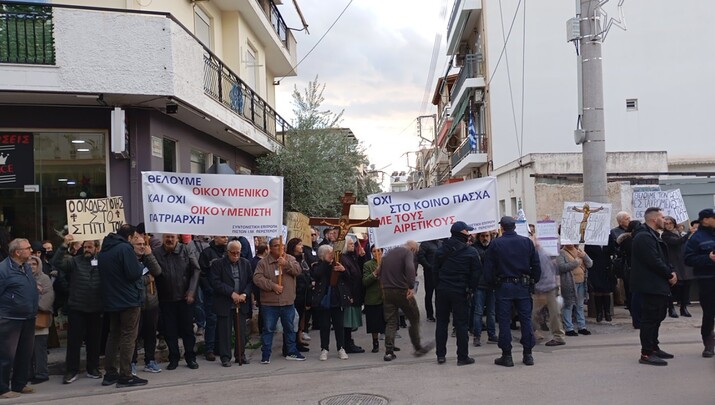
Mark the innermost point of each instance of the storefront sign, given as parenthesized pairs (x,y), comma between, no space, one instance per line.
(212,204)
(17,162)
(94,218)
(585,223)
(429,213)
(671,202)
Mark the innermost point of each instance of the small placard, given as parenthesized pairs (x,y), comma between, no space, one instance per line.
(157,147)
(32,188)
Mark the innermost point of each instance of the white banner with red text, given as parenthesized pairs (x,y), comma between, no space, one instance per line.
(212,204)
(429,213)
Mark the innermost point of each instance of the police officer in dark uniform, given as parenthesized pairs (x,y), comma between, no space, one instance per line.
(512,266)
(456,271)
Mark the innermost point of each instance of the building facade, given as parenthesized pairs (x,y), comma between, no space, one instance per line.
(107,89)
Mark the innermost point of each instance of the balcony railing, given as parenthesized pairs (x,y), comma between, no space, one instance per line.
(223,85)
(466,148)
(453,15)
(279,25)
(472,68)
(26,34)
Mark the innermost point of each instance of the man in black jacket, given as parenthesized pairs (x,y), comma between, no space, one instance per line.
(177,288)
(456,271)
(230,279)
(700,254)
(425,257)
(84,306)
(215,251)
(122,292)
(651,276)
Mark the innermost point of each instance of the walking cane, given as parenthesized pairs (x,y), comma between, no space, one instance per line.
(239,337)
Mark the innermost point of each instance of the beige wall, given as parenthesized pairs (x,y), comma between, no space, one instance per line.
(550,199)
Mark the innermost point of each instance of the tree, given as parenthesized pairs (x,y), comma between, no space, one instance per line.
(319,162)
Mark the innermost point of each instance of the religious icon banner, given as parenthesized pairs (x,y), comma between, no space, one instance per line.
(585,223)
(212,204)
(429,213)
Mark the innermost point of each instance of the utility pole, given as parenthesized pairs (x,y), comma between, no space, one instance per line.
(591,93)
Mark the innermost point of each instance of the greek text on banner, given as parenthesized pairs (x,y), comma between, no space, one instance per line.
(212,204)
(94,218)
(429,213)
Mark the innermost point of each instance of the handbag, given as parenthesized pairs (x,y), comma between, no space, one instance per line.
(43,320)
(325,301)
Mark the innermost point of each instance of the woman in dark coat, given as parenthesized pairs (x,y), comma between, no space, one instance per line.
(676,245)
(353,259)
(601,280)
(330,296)
(625,244)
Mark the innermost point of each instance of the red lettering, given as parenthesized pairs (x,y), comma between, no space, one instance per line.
(4,169)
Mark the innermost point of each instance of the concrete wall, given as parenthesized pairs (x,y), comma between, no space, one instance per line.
(550,199)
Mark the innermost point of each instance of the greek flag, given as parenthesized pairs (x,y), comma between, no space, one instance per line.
(472,132)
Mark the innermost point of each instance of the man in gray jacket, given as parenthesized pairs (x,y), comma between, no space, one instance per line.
(177,288)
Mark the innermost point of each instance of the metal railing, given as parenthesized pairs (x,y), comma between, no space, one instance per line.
(224,86)
(466,148)
(473,67)
(279,25)
(26,34)
(453,15)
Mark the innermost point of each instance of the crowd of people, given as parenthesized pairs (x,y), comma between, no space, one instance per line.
(124,293)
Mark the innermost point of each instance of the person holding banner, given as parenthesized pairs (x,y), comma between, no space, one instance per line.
(275,276)
(513,266)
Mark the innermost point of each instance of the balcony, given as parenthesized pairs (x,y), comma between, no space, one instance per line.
(471,76)
(156,60)
(468,157)
(26,35)
(463,20)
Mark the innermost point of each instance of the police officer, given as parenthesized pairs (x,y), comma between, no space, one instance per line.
(456,271)
(513,266)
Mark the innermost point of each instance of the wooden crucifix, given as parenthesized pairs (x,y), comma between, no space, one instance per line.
(344,223)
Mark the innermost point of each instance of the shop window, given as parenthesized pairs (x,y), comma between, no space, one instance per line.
(198,161)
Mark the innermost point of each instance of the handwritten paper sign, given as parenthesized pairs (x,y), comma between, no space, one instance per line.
(671,202)
(585,222)
(94,218)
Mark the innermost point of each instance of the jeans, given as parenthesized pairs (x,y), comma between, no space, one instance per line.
(87,327)
(17,338)
(123,328)
(271,315)
(178,321)
(455,303)
(484,296)
(147,330)
(395,299)
(210,328)
(508,295)
(653,310)
(707,303)
(569,309)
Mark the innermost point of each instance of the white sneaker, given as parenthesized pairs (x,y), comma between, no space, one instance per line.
(305,336)
(342,354)
(323,355)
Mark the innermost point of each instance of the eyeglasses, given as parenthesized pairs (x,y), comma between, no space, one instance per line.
(235,253)
(26,248)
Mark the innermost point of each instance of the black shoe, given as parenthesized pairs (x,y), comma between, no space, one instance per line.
(375,347)
(354,349)
(110,379)
(172,365)
(528,359)
(572,333)
(684,312)
(504,360)
(493,339)
(192,364)
(389,357)
(584,331)
(708,352)
(301,349)
(599,316)
(465,361)
(663,355)
(477,342)
(134,381)
(672,313)
(424,349)
(554,342)
(226,363)
(441,360)
(608,317)
(395,349)
(652,360)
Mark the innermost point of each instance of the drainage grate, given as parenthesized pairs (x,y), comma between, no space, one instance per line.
(354,399)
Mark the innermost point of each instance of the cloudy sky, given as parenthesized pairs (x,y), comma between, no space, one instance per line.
(374,63)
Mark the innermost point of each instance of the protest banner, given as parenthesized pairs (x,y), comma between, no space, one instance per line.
(585,222)
(547,236)
(94,218)
(212,204)
(671,202)
(429,213)
(297,227)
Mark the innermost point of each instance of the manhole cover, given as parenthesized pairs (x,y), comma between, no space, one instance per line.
(354,399)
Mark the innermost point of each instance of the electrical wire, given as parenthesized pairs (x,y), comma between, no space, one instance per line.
(508,74)
(436,47)
(523,77)
(319,41)
(516,12)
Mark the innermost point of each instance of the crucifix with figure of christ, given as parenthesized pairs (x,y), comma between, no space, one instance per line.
(344,223)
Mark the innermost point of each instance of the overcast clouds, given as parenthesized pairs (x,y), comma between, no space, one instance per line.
(374,63)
